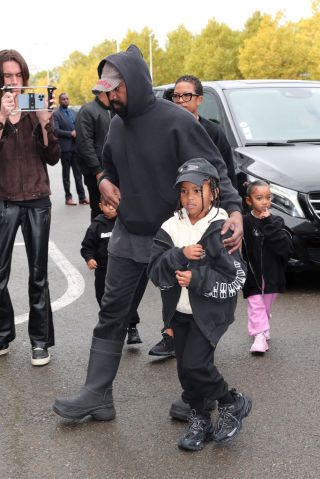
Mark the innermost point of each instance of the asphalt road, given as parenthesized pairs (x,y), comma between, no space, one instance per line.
(279,440)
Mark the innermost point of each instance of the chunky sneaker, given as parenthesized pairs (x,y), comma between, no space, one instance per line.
(229,422)
(199,431)
(181,410)
(40,357)
(260,344)
(4,349)
(165,347)
(133,336)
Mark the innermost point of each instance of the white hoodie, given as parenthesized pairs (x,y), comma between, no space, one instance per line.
(184,233)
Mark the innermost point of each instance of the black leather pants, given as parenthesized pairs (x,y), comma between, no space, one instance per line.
(35,226)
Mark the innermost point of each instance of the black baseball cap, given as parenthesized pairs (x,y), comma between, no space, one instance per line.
(196,171)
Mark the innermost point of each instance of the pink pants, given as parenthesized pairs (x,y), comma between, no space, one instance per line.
(259,309)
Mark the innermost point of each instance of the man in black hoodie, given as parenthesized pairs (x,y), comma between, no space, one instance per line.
(149,138)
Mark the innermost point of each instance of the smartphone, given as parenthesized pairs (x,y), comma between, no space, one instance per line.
(31,101)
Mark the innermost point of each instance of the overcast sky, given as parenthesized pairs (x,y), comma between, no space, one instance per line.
(47,32)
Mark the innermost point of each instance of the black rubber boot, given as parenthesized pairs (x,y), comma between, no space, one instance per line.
(95,397)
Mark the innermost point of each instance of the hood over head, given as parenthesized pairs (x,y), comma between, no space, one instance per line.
(135,73)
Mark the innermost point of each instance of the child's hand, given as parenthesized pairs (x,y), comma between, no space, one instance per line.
(193,251)
(184,277)
(264,214)
(92,264)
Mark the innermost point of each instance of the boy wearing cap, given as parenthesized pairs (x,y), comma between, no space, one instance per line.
(199,282)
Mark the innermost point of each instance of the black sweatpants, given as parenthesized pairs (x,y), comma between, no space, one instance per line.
(120,297)
(100,276)
(197,373)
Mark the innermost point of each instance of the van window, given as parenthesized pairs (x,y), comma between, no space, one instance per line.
(209,108)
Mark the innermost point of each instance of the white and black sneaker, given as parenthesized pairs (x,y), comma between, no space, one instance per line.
(40,356)
(4,349)
(199,431)
(229,422)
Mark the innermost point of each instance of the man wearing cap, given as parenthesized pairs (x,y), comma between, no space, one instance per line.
(149,138)
(92,125)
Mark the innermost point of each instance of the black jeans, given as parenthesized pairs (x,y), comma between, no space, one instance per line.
(68,160)
(125,285)
(197,373)
(94,194)
(35,226)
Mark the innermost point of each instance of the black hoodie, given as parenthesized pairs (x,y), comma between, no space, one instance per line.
(144,150)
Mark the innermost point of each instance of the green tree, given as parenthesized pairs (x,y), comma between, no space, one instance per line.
(214,53)
(252,25)
(278,50)
(309,41)
(70,77)
(142,41)
(178,47)
(261,54)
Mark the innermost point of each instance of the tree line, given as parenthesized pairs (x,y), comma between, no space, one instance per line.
(267,47)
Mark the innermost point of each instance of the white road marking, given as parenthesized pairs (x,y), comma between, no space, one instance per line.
(76,283)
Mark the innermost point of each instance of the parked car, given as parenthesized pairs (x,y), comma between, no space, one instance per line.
(273,127)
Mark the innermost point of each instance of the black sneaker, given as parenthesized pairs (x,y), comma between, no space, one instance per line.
(165,347)
(4,349)
(181,410)
(133,336)
(199,431)
(40,356)
(229,422)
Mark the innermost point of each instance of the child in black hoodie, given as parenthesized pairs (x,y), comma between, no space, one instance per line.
(199,282)
(94,249)
(267,246)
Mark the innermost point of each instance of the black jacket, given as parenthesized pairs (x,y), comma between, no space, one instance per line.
(95,242)
(92,125)
(216,279)
(145,148)
(267,247)
(218,137)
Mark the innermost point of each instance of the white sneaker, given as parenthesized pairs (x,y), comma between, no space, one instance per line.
(260,344)
(4,349)
(40,356)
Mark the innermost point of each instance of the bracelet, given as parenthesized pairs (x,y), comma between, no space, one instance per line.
(103,177)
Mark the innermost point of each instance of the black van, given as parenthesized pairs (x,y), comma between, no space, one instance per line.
(273,127)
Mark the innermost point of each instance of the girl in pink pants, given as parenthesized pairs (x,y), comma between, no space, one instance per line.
(267,247)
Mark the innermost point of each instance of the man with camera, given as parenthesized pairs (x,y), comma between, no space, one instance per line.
(27,145)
